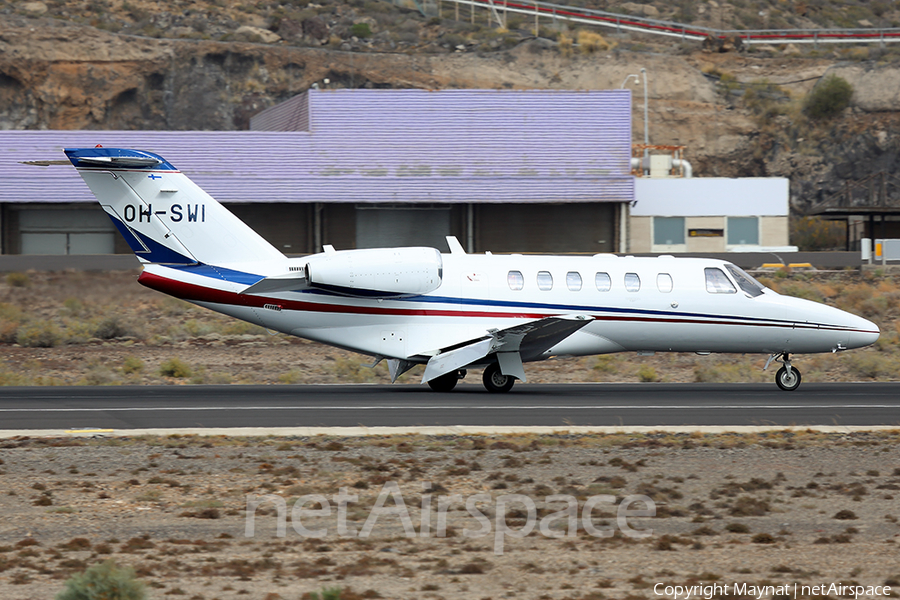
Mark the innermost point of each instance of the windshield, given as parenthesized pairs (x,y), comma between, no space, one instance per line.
(745,281)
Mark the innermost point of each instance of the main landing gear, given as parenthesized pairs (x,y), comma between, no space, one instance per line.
(495,381)
(447,381)
(788,377)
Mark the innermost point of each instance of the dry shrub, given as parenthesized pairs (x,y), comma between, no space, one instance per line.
(39,335)
(590,42)
(566,43)
(746,506)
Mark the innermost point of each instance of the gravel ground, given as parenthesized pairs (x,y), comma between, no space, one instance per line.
(758,509)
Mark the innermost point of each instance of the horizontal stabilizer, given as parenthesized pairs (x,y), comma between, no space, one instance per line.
(278,283)
(44,163)
(120,161)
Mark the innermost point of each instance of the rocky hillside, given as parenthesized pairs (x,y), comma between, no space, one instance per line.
(111,64)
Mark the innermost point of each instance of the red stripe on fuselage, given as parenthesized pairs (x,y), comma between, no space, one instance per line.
(190,291)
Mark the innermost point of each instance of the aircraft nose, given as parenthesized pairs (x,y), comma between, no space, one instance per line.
(859,332)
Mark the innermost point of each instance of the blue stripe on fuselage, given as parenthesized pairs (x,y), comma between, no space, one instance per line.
(250,279)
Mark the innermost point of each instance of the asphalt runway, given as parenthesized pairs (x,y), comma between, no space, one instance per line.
(148,407)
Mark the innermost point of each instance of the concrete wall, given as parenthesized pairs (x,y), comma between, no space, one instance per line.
(773,232)
(706,203)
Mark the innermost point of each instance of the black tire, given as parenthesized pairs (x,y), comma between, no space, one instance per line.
(444,383)
(788,383)
(495,381)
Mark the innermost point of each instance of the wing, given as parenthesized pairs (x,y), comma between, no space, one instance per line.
(512,346)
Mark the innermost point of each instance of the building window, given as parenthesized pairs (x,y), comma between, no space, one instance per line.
(573,281)
(743,231)
(664,282)
(603,282)
(544,280)
(632,282)
(717,282)
(515,280)
(668,231)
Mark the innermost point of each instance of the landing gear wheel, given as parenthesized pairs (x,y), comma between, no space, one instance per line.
(444,383)
(495,381)
(788,381)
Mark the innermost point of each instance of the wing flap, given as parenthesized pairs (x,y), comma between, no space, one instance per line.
(512,345)
(535,337)
(452,360)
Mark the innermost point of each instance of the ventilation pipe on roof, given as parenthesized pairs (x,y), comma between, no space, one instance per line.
(677,163)
(685,165)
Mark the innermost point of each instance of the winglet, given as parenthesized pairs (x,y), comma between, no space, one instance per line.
(455,246)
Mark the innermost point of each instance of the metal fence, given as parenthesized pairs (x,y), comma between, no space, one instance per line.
(546,11)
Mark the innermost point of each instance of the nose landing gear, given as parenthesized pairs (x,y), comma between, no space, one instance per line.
(788,377)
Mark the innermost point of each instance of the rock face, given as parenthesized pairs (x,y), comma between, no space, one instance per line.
(69,77)
(55,75)
(876,88)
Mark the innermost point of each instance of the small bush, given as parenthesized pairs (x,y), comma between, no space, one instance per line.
(105,581)
(132,364)
(326,594)
(361,30)
(845,515)
(175,367)
(18,280)
(647,374)
(39,335)
(110,328)
(746,506)
(830,96)
(737,528)
(590,42)
(763,538)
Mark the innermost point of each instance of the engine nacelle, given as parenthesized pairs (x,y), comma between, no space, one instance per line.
(377,272)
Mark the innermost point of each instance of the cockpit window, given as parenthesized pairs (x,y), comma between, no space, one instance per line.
(717,282)
(745,281)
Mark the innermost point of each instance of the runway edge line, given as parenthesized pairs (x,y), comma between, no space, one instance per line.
(461,430)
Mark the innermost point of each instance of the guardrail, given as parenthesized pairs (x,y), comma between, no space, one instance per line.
(558,12)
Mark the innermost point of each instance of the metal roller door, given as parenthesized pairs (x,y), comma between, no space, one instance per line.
(66,231)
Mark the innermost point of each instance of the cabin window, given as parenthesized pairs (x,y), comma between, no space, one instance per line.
(544,280)
(632,282)
(515,280)
(717,282)
(603,282)
(664,282)
(573,281)
(745,281)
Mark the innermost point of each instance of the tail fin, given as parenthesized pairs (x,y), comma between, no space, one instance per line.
(164,216)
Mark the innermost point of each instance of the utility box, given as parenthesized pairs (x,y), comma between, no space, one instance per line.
(660,165)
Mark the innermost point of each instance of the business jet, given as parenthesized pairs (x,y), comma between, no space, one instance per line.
(451,311)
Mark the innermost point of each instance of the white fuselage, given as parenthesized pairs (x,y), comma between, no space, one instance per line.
(651,304)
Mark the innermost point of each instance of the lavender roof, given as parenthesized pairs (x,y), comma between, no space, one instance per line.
(375,146)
